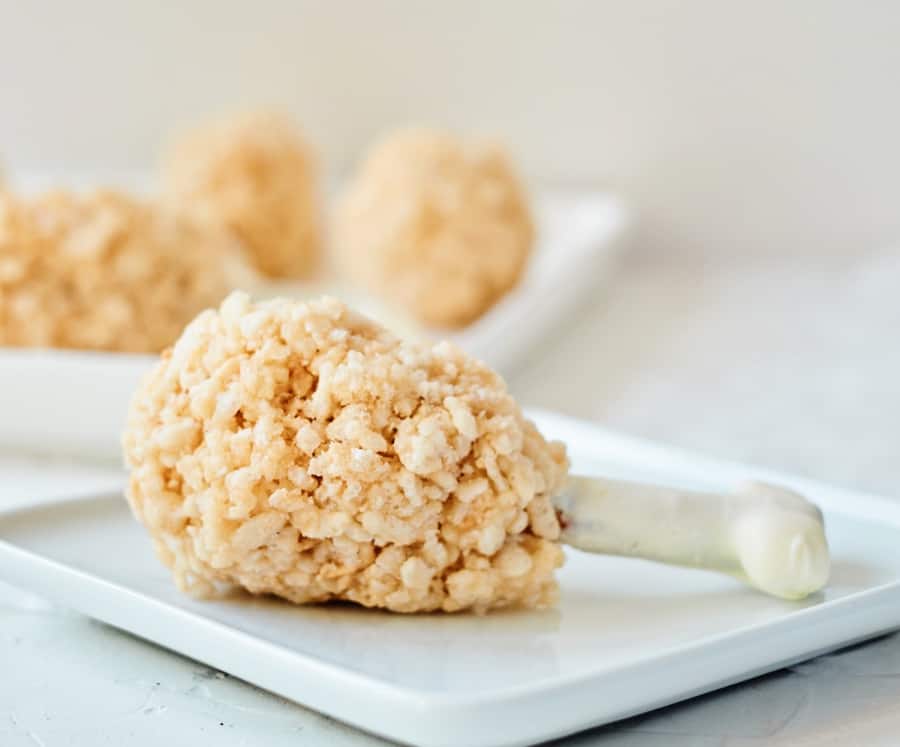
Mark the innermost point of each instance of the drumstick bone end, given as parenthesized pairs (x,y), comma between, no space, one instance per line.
(770,537)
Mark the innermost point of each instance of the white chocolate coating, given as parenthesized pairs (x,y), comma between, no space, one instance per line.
(770,537)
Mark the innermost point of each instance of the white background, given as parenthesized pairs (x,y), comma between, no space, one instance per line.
(752,128)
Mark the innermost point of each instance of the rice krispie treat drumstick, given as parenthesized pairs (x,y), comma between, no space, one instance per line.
(436,225)
(299,449)
(101,270)
(255,176)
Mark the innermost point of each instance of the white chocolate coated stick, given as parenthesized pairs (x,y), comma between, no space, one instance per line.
(770,537)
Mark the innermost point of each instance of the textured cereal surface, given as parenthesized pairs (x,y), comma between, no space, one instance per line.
(299,449)
(253,174)
(439,226)
(103,271)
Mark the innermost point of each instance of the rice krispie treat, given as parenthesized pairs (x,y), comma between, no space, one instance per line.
(255,176)
(103,271)
(439,226)
(299,449)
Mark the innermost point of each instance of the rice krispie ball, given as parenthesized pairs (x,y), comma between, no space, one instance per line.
(104,271)
(439,226)
(254,175)
(299,449)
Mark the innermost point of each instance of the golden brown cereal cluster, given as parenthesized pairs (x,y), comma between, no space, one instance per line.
(254,175)
(439,226)
(299,449)
(103,271)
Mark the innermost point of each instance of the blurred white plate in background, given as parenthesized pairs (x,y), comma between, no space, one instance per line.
(70,402)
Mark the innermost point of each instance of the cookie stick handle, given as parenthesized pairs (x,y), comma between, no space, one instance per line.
(770,537)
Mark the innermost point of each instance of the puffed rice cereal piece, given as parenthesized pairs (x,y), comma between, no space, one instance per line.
(104,271)
(254,175)
(299,449)
(439,226)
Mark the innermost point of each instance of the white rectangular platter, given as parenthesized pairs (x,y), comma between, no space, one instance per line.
(71,402)
(627,636)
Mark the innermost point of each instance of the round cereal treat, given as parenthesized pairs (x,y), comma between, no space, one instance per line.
(254,175)
(439,226)
(300,450)
(104,271)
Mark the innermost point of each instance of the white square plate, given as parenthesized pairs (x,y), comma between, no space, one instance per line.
(47,396)
(627,636)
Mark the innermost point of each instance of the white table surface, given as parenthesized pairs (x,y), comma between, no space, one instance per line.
(786,365)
